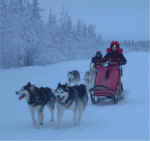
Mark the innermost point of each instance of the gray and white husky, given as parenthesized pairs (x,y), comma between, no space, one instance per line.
(37,99)
(73,77)
(73,98)
(90,77)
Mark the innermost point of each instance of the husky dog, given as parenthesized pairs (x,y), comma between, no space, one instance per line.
(37,98)
(73,77)
(90,77)
(74,98)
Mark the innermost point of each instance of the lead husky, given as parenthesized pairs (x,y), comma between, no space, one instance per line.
(73,77)
(37,98)
(74,98)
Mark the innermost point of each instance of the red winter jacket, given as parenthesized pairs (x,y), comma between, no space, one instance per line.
(116,57)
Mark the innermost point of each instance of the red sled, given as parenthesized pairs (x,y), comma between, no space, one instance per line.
(107,84)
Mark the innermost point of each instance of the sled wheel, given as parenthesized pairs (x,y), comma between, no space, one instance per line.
(121,91)
(122,87)
(115,97)
(122,94)
(93,99)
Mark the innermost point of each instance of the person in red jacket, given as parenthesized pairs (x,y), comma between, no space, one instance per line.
(115,55)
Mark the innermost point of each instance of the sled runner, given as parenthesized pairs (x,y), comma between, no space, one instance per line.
(107,84)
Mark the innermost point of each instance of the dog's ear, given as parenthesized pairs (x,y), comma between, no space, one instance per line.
(59,84)
(66,87)
(29,83)
(32,88)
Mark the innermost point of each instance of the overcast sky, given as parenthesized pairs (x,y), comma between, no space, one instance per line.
(114,19)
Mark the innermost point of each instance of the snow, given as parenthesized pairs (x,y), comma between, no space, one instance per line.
(126,120)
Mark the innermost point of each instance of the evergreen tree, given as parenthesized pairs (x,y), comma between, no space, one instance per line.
(3,32)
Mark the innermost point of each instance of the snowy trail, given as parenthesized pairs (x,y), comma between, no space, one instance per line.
(127,120)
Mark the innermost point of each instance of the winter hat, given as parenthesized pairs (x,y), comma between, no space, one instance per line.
(119,50)
(99,53)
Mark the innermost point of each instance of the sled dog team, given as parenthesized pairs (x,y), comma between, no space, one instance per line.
(72,96)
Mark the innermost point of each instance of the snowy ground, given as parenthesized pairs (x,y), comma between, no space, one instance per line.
(127,120)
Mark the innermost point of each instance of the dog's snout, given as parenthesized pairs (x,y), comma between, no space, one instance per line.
(58,96)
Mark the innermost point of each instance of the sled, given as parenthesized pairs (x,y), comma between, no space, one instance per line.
(107,84)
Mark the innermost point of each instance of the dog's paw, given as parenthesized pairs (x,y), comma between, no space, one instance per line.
(34,124)
(75,124)
(58,126)
(38,126)
(51,120)
(41,124)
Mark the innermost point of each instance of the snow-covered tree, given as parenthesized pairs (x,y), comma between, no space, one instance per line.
(26,40)
(80,30)
(52,29)
(33,33)
(91,31)
(65,25)
(4,31)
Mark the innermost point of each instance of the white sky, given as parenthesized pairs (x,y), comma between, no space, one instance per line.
(115,19)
